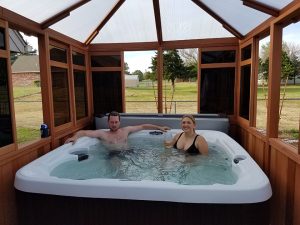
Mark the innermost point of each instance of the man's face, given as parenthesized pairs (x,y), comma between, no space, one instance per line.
(114,123)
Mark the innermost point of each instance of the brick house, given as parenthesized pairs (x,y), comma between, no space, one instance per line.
(26,70)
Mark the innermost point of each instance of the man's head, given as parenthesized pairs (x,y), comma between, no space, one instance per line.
(113,121)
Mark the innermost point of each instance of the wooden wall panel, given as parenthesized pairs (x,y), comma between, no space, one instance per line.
(279,188)
(259,147)
(296,219)
(8,194)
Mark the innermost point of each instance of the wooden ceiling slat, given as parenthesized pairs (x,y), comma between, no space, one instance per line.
(157,21)
(61,15)
(103,22)
(226,25)
(261,7)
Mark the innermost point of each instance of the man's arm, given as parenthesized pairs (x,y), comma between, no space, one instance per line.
(88,133)
(131,129)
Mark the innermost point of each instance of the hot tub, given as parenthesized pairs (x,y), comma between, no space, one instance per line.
(144,201)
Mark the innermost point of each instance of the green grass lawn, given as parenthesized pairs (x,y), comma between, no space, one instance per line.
(142,99)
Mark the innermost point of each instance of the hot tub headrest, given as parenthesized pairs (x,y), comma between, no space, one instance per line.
(203,121)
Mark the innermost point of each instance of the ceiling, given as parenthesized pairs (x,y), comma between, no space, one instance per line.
(131,21)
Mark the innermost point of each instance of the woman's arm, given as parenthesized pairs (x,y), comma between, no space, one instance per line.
(202,145)
(170,143)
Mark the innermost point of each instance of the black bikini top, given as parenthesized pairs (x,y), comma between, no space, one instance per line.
(192,148)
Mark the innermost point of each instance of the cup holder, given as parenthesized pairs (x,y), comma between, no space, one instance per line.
(239,158)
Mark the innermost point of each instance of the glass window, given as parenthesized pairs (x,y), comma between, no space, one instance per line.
(60,91)
(217,90)
(289,105)
(218,57)
(80,94)
(27,92)
(140,83)
(58,54)
(106,60)
(245,91)
(6,135)
(107,99)
(2,38)
(246,53)
(78,59)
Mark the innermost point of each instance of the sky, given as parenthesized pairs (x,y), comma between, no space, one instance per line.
(141,60)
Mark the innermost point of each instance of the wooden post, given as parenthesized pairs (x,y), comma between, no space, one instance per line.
(46,89)
(274,80)
(159,67)
(299,136)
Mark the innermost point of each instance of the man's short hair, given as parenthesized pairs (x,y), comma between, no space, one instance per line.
(113,113)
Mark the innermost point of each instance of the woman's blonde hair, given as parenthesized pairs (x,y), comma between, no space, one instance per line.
(190,117)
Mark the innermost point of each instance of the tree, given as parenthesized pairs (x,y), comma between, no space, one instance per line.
(139,73)
(126,68)
(289,61)
(173,66)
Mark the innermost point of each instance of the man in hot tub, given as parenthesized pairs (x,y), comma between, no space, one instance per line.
(115,134)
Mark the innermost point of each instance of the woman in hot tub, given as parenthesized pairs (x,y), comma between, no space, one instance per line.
(188,140)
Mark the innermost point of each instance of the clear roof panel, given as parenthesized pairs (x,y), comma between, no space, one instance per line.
(37,10)
(133,22)
(84,20)
(184,20)
(242,18)
(278,4)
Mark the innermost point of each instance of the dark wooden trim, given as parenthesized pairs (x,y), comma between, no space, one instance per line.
(299,136)
(226,25)
(10,85)
(159,73)
(199,79)
(103,22)
(72,103)
(217,65)
(255,56)
(123,81)
(63,14)
(103,69)
(274,81)
(261,7)
(157,21)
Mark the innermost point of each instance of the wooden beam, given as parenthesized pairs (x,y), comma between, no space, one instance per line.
(226,25)
(261,7)
(159,72)
(63,14)
(103,22)
(157,21)
(274,80)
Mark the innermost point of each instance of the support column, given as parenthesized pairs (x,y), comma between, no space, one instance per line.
(160,66)
(274,80)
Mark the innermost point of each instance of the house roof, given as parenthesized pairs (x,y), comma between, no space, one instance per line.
(16,42)
(26,64)
(128,21)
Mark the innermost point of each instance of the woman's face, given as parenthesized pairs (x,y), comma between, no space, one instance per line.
(187,124)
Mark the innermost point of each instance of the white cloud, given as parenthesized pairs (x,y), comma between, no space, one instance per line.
(138,60)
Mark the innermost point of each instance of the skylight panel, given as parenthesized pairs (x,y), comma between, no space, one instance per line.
(84,20)
(278,4)
(133,22)
(242,18)
(184,20)
(37,10)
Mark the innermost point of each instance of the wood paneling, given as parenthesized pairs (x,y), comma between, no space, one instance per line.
(281,163)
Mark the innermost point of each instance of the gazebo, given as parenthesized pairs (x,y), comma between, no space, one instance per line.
(81,49)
